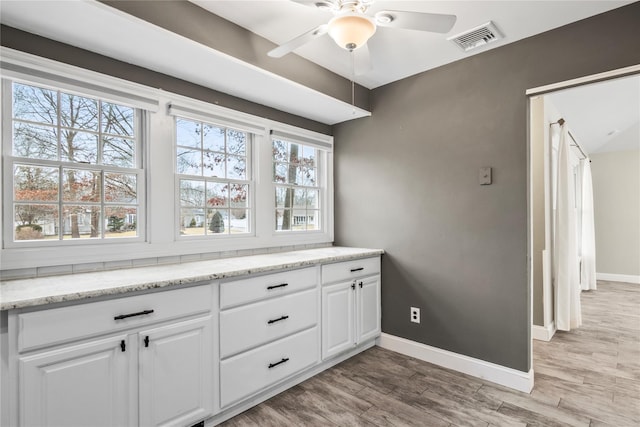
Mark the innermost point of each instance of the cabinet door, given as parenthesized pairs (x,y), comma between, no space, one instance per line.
(175,373)
(368,308)
(338,316)
(79,385)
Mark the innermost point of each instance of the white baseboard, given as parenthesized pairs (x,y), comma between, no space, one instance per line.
(626,278)
(543,333)
(512,378)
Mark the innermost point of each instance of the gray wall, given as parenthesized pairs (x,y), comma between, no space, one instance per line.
(407,181)
(616,205)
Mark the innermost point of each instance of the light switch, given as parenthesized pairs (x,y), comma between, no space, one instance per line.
(485,176)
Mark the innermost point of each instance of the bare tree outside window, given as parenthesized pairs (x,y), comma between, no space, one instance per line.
(90,141)
(212,162)
(297,195)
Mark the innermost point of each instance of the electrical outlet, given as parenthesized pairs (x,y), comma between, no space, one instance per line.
(415,315)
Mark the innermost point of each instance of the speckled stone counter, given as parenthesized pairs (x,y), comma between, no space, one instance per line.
(49,290)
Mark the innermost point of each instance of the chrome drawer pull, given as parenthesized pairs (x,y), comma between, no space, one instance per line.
(277,286)
(277,320)
(353,270)
(273,365)
(140,313)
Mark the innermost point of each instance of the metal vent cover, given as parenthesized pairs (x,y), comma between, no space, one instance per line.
(477,37)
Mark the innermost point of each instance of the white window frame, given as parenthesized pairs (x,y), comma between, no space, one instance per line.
(9,161)
(157,197)
(250,181)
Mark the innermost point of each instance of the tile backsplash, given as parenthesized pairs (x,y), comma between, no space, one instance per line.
(56,270)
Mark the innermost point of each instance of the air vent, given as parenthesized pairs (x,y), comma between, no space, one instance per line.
(477,37)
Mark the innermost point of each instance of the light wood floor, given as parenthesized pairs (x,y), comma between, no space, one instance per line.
(586,377)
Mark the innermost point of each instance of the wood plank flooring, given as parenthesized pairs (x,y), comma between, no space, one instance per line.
(587,377)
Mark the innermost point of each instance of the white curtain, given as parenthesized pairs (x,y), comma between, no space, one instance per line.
(588,249)
(567,275)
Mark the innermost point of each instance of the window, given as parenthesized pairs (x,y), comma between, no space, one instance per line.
(297,193)
(214,175)
(76,166)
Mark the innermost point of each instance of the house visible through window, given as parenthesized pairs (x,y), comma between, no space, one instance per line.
(213,165)
(297,194)
(76,166)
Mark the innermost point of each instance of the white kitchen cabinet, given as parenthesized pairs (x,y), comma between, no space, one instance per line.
(151,367)
(78,385)
(350,309)
(269,333)
(171,358)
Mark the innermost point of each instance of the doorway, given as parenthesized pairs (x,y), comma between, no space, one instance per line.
(602,116)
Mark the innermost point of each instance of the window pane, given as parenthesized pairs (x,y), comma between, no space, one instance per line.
(81,222)
(280,151)
(312,198)
(35,183)
(281,197)
(81,185)
(308,156)
(280,173)
(295,153)
(35,104)
(80,147)
(78,112)
(121,221)
(35,142)
(192,222)
(191,193)
(299,219)
(239,221)
(213,138)
(217,194)
(313,220)
(189,162)
(118,152)
(236,167)
(120,188)
(188,133)
(306,176)
(218,221)
(283,219)
(117,119)
(238,195)
(36,222)
(299,198)
(236,142)
(214,164)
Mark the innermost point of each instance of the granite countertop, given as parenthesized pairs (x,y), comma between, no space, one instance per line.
(48,290)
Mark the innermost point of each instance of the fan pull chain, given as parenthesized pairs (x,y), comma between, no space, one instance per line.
(353,85)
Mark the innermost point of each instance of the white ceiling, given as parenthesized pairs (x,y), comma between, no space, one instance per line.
(398,53)
(395,53)
(603,116)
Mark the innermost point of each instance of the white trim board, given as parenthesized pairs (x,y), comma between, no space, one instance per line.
(626,278)
(543,333)
(512,378)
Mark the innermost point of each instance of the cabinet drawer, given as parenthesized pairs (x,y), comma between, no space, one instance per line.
(252,325)
(253,289)
(264,366)
(350,269)
(64,324)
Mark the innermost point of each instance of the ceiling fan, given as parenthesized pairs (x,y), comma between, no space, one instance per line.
(353,25)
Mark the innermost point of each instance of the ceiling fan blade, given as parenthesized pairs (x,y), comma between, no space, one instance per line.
(362,60)
(433,22)
(295,43)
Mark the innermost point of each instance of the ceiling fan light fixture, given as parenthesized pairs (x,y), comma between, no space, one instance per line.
(350,31)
